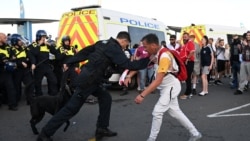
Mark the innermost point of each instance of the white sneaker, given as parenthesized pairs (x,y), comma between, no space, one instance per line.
(195,138)
(190,96)
(202,93)
(138,88)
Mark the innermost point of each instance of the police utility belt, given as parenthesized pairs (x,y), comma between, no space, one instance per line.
(10,66)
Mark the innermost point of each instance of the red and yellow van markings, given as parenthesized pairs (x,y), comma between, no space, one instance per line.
(69,28)
(198,31)
(92,24)
(62,26)
(76,40)
(81,26)
(64,30)
(89,32)
(92,19)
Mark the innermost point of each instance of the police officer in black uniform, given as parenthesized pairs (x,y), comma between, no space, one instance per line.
(66,51)
(40,64)
(6,69)
(101,56)
(19,53)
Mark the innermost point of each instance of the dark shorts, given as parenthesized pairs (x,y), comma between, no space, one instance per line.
(220,65)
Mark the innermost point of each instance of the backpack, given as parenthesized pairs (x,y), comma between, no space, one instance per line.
(182,73)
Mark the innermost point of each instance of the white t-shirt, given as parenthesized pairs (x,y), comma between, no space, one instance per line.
(220,51)
(171,47)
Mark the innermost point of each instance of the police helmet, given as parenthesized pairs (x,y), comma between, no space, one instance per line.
(40,34)
(15,38)
(65,38)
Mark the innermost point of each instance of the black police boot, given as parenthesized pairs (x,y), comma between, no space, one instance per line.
(104,132)
(13,108)
(43,137)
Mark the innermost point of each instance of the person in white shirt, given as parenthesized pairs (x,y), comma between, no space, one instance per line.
(169,87)
(173,44)
(220,53)
(227,61)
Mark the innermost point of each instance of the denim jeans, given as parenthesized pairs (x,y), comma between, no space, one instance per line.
(150,73)
(142,78)
(236,70)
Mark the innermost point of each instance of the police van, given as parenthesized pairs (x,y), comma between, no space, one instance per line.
(213,31)
(86,25)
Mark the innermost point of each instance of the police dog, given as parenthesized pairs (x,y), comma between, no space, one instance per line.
(50,104)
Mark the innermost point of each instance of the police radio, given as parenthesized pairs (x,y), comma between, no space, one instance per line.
(75,48)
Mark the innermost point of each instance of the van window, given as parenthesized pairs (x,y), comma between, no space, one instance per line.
(137,34)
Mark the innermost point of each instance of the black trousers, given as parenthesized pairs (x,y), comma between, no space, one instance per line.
(190,69)
(7,83)
(75,104)
(23,75)
(57,69)
(71,77)
(40,72)
(83,90)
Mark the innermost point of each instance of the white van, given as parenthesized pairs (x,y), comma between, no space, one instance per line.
(213,31)
(86,25)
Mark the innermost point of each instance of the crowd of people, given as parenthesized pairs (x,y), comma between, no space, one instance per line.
(206,62)
(29,64)
(209,61)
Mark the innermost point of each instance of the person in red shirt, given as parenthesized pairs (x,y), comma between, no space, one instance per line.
(187,55)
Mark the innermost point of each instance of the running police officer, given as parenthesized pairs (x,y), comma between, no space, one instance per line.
(6,69)
(40,64)
(19,53)
(101,56)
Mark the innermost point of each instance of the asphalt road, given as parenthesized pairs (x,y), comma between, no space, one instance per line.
(219,116)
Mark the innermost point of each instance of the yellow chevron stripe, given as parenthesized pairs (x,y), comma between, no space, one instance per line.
(91,32)
(66,28)
(76,28)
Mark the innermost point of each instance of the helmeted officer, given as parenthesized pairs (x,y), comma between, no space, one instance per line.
(6,77)
(66,51)
(19,53)
(40,64)
(101,56)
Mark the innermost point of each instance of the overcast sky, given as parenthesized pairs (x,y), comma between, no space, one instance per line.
(170,12)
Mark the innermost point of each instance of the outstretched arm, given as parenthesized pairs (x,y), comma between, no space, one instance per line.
(82,55)
(128,77)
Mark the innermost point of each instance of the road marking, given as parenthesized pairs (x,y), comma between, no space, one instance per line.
(222,113)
